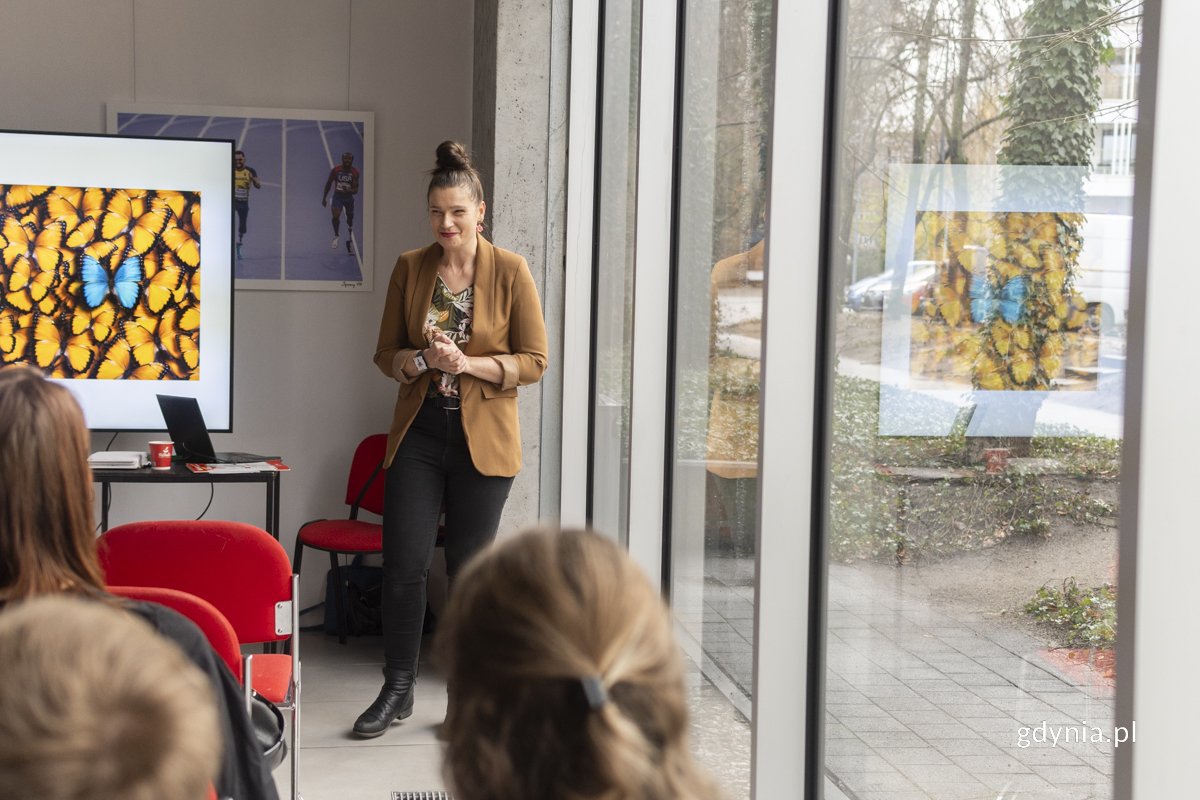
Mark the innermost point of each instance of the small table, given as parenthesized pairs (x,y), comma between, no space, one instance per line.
(179,473)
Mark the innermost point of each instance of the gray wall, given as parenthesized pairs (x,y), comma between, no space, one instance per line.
(308,391)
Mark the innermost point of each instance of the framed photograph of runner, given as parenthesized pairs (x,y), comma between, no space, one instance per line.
(303,198)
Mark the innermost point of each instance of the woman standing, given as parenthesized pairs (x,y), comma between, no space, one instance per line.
(462,329)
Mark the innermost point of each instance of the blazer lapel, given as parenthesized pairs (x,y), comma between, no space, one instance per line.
(422,295)
(485,294)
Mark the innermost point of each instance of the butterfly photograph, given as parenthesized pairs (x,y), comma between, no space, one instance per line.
(1000,312)
(100,282)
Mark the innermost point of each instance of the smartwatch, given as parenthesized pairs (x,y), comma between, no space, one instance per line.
(419,361)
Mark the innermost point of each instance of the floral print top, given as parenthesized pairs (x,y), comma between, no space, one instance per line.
(450,314)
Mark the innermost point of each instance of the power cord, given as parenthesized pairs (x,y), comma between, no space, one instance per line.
(212,490)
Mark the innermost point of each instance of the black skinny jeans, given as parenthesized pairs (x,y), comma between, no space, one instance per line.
(432,464)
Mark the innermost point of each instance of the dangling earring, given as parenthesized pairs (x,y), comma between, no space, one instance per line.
(479,228)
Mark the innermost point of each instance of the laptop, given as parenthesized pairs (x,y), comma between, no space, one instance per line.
(186,426)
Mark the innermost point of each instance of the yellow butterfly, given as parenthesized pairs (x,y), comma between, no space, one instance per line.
(949,304)
(126,214)
(141,334)
(193,285)
(103,321)
(987,373)
(21,195)
(1001,333)
(189,318)
(118,362)
(14,335)
(50,345)
(1049,359)
(176,201)
(190,352)
(43,245)
(63,204)
(19,300)
(1021,367)
(183,244)
(37,283)
(83,233)
(165,286)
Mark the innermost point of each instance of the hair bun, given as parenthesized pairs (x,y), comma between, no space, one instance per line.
(452,156)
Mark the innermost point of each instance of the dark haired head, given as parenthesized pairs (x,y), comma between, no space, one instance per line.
(239,152)
(454,170)
(46,539)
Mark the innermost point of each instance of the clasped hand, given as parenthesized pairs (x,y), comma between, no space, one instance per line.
(443,354)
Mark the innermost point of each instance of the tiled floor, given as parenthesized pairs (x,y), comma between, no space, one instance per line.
(920,703)
(339,682)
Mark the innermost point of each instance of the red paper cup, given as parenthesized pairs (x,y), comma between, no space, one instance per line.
(160,455)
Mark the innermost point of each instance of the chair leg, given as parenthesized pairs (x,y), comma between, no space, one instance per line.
(297,558)
(296,743)
(340,600)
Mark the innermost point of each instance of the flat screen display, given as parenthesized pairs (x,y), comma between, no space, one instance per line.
(116,270)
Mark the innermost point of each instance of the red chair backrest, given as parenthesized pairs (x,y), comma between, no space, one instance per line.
(208,619)
(368,456)
(237,567)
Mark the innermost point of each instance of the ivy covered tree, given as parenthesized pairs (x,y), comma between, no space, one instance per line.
(1054,96)
(1056,83)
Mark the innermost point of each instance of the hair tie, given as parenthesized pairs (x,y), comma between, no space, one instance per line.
(593,689)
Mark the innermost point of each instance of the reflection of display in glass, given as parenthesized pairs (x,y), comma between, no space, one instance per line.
(998,310)
(100,283)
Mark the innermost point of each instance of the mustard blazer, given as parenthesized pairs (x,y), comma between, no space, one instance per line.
(507,325)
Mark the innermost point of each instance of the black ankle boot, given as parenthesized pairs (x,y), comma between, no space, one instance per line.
(395,702)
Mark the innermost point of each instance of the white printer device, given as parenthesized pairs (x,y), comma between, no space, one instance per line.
(119,459)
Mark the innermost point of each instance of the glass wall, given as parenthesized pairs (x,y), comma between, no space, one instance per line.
(724,97)
(616,211)
(979,246)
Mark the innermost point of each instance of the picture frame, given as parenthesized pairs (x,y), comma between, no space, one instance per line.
(284,229)
(933,304)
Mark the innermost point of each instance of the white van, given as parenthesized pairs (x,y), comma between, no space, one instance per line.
(1103,277)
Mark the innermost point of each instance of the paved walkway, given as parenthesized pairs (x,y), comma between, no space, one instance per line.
(923,704)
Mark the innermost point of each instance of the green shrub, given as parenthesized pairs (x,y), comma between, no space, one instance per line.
(1084,617)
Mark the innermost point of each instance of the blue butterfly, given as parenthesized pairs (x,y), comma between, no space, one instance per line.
(126,285)
(985,305)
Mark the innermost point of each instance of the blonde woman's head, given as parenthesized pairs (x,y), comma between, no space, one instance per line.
(95,705)
(564,678)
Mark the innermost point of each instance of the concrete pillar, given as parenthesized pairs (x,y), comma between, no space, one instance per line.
(519,143)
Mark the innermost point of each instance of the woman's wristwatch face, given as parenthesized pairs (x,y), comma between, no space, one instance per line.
(419,361)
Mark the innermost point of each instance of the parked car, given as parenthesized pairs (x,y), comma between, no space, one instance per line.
(869,294)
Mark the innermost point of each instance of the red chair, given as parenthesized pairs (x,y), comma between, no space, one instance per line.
(239,569)
(352,536)
(222,637)
(208,619)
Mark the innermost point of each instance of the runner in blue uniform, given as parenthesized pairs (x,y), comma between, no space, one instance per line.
(344,180)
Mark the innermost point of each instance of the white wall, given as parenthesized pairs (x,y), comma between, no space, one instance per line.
(304,384)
